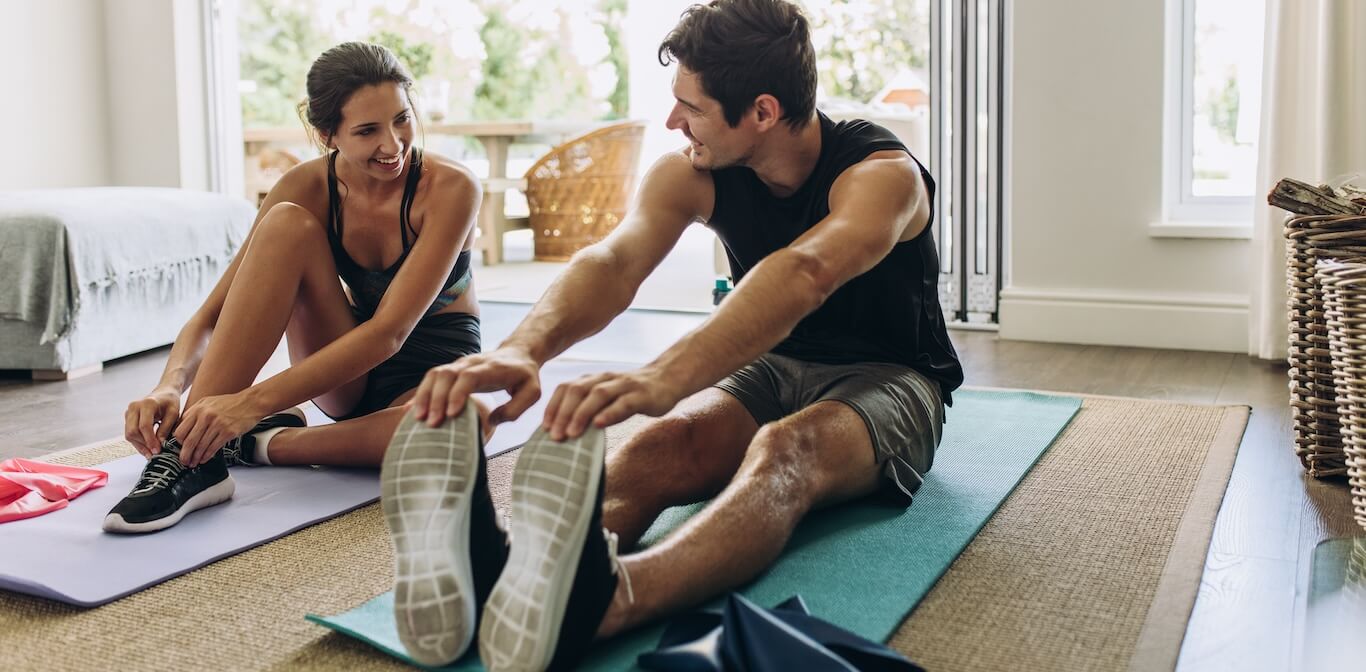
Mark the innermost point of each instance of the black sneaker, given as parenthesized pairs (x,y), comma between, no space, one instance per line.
(561,573)
(167,490)
(448,545)
(241,451)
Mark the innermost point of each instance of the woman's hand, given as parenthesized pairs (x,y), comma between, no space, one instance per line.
(211,422)
(149,420)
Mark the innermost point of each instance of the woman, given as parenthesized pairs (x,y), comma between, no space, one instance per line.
(395,224)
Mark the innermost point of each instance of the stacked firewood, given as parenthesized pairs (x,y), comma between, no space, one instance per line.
(1304,199)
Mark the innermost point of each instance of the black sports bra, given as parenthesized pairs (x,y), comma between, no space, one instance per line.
(367,286)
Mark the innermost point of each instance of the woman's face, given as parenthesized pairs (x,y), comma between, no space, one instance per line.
(376,130)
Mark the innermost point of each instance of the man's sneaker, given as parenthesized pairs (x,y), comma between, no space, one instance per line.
(448,545)
(561,574)
(167,490)
(242,450)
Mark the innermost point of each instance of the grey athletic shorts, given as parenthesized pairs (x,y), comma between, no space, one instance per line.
(901,407)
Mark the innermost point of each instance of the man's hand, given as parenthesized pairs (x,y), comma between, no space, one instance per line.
(210,423)
(604,399)
(149,420)
(446,388)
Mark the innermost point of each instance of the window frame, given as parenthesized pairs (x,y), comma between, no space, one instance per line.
(1180,204)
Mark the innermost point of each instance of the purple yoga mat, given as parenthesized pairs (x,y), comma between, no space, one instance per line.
(65,556)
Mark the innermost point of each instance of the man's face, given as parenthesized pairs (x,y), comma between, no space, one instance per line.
(715,144)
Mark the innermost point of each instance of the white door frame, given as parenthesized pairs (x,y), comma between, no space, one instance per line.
(222,100)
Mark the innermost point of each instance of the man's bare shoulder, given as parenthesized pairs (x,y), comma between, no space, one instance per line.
(889,181)
(673,183)
(891,167)
(891,160)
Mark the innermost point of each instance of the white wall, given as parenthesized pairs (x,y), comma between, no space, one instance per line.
(1085,181)
(103,92)
(54,106)
(652,83)
(154,68)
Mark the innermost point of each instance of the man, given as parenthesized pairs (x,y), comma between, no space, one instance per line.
(821,378)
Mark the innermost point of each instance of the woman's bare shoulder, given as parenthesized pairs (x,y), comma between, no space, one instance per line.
(304,184)
(447,172)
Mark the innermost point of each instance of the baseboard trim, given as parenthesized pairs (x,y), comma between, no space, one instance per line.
(1212,322)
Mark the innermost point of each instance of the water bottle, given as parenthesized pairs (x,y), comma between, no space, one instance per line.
(720,291)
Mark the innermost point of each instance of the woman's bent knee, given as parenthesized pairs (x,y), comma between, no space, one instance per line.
(286,219)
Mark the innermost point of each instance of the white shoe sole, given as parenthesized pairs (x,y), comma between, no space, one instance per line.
(215,494)
(554,490)
(426,484)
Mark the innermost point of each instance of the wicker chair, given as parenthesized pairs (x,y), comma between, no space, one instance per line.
(579,190)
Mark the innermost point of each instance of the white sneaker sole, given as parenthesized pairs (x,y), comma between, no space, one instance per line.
(426,484)
(215,494)
(554,489)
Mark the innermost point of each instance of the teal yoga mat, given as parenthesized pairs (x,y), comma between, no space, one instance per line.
(861,566)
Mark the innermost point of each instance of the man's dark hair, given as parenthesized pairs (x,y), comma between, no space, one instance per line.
(742,49)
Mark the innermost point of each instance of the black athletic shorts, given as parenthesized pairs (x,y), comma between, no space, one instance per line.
(437,339)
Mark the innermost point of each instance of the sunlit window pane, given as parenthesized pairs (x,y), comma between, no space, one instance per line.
(1225,100)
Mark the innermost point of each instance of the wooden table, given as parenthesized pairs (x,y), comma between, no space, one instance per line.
(497,137)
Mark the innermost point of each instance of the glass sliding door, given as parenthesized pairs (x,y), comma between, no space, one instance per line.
(967,87)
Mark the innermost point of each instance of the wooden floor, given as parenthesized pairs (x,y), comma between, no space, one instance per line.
(1251,608)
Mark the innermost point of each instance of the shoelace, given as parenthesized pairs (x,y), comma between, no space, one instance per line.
(618,567)
(232,452)
(159,473)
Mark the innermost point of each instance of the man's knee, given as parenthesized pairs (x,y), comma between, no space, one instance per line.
(784,456)
(810,470)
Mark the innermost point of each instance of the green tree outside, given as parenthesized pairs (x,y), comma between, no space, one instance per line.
(279,40)
(862,44)
(521,73)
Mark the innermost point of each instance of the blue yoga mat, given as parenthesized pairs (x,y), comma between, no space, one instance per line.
(862,566)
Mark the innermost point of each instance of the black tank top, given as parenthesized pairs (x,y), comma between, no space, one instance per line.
(367,286)
(890,313)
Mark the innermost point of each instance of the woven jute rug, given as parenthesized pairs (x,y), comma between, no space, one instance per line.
(1092,564)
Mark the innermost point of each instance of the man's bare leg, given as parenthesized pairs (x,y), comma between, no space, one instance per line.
(686,456)
(819,456)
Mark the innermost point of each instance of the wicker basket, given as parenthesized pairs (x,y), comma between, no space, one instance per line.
(1318,442)
(1344,302)
(579,190)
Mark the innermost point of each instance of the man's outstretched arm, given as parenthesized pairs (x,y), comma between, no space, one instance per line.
(598,284)
(873,205)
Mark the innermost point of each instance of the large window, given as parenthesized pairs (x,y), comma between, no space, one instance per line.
(472,59)
(1214,101)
